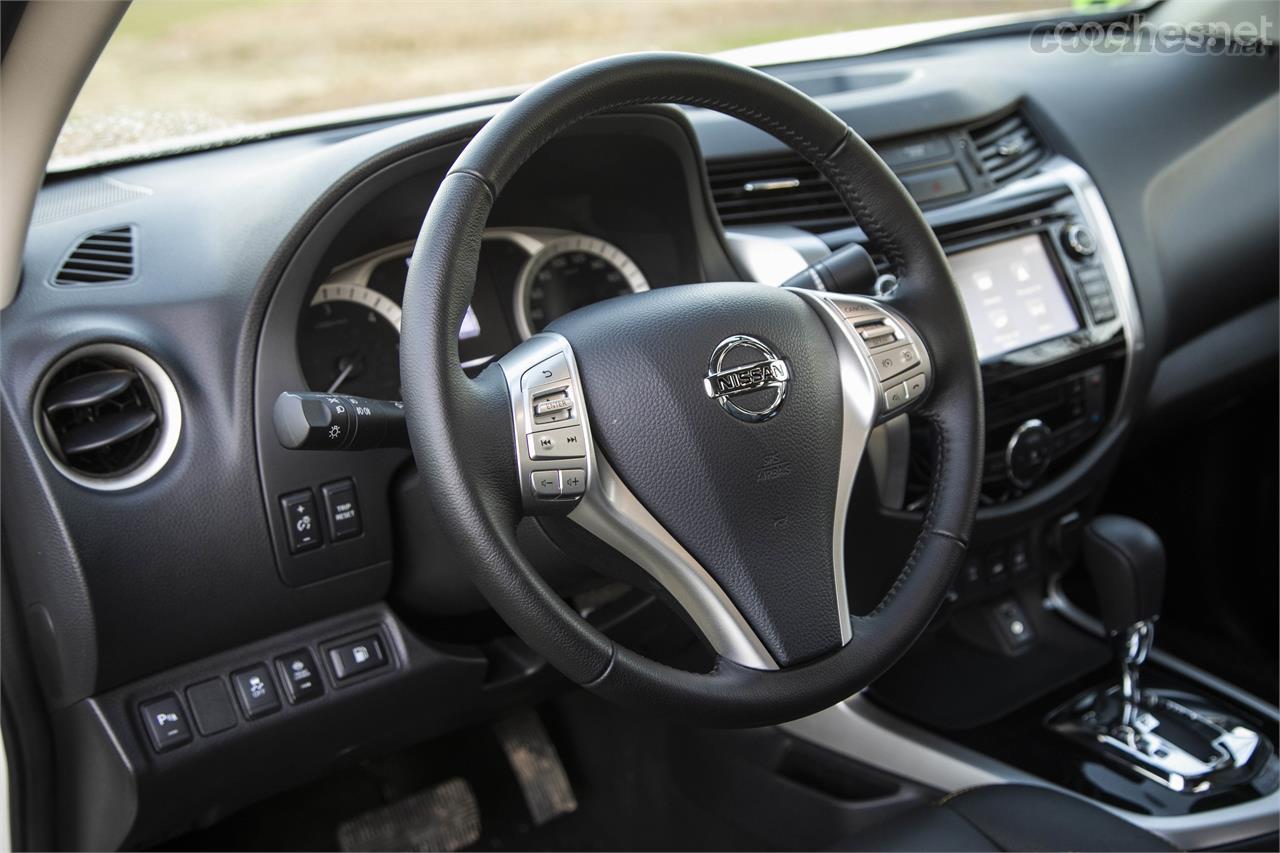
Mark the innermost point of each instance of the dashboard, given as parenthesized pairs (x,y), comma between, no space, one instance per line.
(279,266)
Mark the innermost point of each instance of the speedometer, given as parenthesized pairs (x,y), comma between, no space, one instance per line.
(570,272)
(349,341)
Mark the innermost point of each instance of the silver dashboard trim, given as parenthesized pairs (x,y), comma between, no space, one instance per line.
(551,243)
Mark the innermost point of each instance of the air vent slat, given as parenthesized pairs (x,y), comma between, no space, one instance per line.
(108,416)
(112,429)
(754,203)
(1002,173)
(88,389)
(100,258)
(106,254)
(1007,148)
(97,266)
(987,135)
(811,202)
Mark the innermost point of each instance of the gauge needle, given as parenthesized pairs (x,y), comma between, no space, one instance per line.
(342,377)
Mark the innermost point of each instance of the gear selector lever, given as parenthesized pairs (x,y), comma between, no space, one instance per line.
(1126,561)
(1187,743)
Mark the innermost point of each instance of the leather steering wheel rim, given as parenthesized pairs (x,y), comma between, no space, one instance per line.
(462,433)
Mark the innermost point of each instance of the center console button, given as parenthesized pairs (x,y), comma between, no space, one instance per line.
(256,691)
(1079,241)
(356,657)
(298,674)
(165,722)
(1028,452)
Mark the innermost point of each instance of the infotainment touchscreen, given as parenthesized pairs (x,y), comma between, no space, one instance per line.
(1013,295)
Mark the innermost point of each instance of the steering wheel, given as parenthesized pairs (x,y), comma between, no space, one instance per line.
(708,432)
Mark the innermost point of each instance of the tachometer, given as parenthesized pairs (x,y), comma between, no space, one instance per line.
(570,272)
(349,341)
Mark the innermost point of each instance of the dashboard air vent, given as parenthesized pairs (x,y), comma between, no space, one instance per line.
(781,189)
(1007,148)
(102,257)
(108,416)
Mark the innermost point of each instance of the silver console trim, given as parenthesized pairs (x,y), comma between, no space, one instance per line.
(1111,253)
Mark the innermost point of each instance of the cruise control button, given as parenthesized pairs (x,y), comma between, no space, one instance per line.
(166,723)
(894,360)
(298,673)
(573,482)
(554,369)
(562,443)
(546,484)
(916,385)
(857,313)
(301,520)
(877,335)
(896,396)
(256,691)
(342,509)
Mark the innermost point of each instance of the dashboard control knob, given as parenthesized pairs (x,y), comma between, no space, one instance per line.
(1028,453)
(1079,241)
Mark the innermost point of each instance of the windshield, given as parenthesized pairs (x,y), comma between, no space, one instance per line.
(177,71)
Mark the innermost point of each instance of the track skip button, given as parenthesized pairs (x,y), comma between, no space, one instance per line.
(562,443)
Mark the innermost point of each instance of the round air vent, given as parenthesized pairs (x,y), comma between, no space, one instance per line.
(108,416)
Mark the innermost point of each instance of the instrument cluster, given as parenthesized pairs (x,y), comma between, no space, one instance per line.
(349,333)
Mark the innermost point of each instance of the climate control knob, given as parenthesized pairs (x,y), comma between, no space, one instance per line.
(1028,453)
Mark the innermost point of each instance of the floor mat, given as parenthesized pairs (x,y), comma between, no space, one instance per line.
(443,818)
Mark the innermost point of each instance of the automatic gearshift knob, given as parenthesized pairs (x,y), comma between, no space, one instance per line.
(1126,561)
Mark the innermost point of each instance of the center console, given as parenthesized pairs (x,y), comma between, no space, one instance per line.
(1046,318)
(1013,682)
